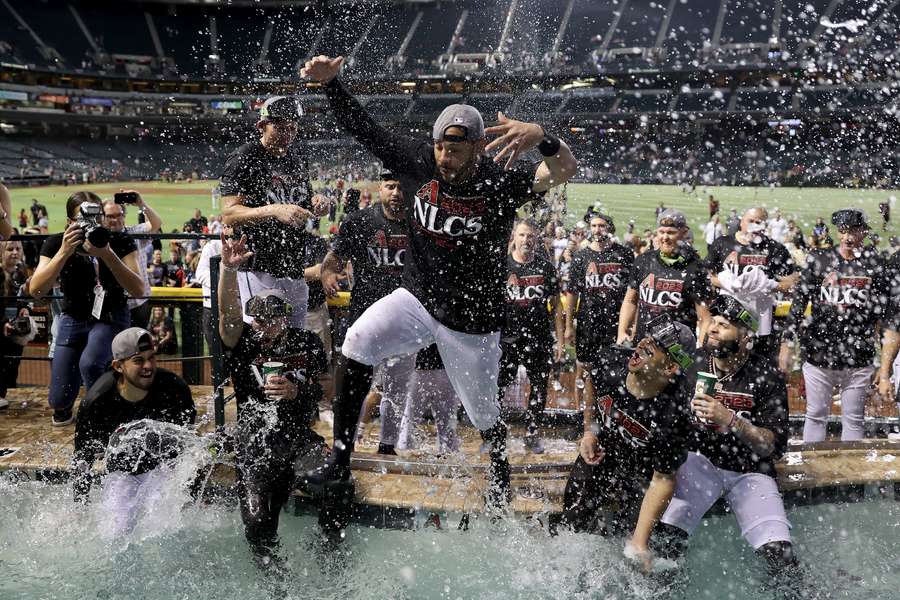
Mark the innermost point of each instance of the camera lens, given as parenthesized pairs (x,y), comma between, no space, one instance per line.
(98,236)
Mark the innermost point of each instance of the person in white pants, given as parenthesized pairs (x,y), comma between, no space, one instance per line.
(889,387)
(133,409)
(395,375)
(740,430)
(849,289)
(460,207)
(267,196)
(430,389)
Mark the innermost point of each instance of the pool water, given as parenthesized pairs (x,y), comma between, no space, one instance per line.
(50,548)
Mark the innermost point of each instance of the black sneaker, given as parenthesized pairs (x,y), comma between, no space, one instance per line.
(62,417)
(326,475)
(386,449)
(894,433)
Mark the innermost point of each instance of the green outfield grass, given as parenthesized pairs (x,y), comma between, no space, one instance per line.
(176,202)
(639,202)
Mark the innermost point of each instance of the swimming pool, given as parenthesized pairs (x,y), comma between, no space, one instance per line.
(50,548)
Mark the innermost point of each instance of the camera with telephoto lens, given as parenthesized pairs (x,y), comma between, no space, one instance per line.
(22,325)
(89,218)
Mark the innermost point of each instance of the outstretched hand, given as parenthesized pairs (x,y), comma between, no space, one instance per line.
(235,252)
(515,138)
(331,282)
(322,68)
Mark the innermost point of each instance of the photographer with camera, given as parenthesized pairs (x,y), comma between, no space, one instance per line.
(114,212)
(94,268)
(16,325)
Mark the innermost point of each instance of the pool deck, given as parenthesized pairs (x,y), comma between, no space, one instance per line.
(419,483)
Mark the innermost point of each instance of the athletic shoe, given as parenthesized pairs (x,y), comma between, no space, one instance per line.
(894,433)
(4,402)
(62,417)
(386,449)
(533,443)
(328,474)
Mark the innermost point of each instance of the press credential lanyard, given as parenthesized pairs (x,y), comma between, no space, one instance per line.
(99,292)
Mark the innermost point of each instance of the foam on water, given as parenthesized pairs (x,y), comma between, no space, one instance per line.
(51,548)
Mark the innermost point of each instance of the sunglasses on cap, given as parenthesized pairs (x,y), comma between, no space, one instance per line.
(267,306)
(731,309)
(665,334)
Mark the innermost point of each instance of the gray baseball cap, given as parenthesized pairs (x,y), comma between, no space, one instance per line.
(133,340)
(671,218)
(459,115)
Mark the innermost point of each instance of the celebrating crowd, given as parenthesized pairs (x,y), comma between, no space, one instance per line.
(682,359)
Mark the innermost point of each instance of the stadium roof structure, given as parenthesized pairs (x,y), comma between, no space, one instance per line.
(237,40)
(578,63)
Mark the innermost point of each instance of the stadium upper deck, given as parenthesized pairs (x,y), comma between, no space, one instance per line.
(639,82)
(242,40)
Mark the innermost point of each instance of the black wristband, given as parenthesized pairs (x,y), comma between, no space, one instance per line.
(549,146)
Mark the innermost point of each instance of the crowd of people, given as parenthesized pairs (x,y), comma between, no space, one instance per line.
(681,359)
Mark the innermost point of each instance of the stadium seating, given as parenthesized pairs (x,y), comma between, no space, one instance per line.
(738,74)
(645,34)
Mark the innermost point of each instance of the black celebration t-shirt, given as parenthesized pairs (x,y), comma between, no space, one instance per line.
(103,410)
(892,319)
(459,232)
(642,435)
(79,276)
(756,392)
(765,254)
(849,298)
(303,356)
(599,279)
(673,289)
(528,287)
(262,178)
(377,248)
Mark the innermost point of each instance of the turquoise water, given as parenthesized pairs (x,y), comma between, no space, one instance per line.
(49,548)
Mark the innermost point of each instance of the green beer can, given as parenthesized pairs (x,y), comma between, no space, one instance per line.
(271,368)
(706,384)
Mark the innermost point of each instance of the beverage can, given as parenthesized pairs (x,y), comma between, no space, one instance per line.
(706,384)
(271,368)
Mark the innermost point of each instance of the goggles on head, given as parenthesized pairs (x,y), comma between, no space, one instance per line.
(267,306)
(734,311)
(666,335)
